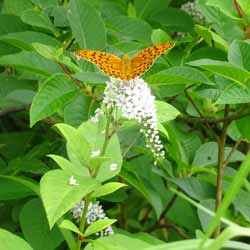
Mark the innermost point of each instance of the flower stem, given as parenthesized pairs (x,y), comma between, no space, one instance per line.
(88,197)
(106,139)
(83,220)
(220,169)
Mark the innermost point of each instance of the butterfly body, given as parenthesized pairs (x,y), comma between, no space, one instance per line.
(125,68)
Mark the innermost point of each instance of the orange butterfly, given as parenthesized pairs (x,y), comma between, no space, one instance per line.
(125,68)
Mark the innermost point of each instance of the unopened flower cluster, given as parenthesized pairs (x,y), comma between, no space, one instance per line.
(95,212)
(192,9)
(134,100)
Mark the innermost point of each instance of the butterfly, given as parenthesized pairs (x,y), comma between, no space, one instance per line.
(125,68)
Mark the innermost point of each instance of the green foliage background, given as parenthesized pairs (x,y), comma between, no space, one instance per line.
(203,90)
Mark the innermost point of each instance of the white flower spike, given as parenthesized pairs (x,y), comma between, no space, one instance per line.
(135,101)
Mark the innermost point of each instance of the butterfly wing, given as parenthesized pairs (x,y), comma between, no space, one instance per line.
(142,61)
(108,63)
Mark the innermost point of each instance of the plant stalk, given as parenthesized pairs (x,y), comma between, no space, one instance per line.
(83,220)
(220,169)
(106,139)
(88,197)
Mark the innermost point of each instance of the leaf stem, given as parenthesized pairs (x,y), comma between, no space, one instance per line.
(220,169)
(163,214)
(88,197)
(201,115)
(194,119)
(67,72)
(234,148)
(106,139)
(83,220)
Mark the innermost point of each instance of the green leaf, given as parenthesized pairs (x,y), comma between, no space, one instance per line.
(173,19)
(241,203)
(78,110)
(98,226)
(239,54)
(86,24)
(201,207)
(244,128)
(112,167)
(176,215)
(93,132)
(11,89)
(38,19)
(27,165)
(131,10)
(108,188)
(244,4)
(69,225)
(12,187)
(11,24)
(165,112)
(23,40)
(148,183)
(131,28)
(225,69)
(207,155)
(14,143)
(178,75)
(55,92)
(95,161)
(197,189)
(144,241)
(26,183)
(211,38)
(159,36)
(226,7)
(230,195)
(227,234)
(228,28)
(16,7)
(12,242)
(31,62)
(77,143)
(46,51)
(145,8)
(234,95)
(205,219)
(19,97)
(59,196)
(91,77)
(194,245)
(125,241)
(59,14)
(36,231)
(44,4)
(6,49)
(69,166)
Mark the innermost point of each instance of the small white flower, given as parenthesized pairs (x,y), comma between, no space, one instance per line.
(95,153)
(72,181)
(113,166)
